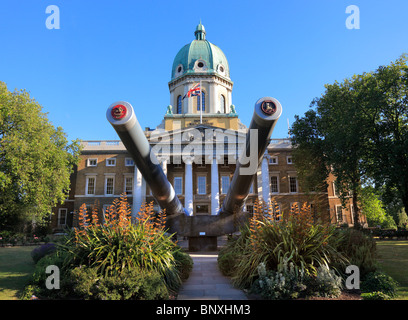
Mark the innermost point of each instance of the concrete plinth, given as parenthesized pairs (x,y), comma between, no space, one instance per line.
(202,243)
(206,225)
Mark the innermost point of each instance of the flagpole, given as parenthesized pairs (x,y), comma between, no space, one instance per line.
(201,106)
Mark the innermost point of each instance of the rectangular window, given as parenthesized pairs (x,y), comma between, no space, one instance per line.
(129,162)
(90,185)
(250,208)
(335,191)
(111,162)
(62,216)
(92,162)
(128,185)
(201,185)
(225,164)
(289,160)
(178,185)
(273,160)
(274,184)
(202,164)
(293,185)
(109,182)
(225,182)
(339,213)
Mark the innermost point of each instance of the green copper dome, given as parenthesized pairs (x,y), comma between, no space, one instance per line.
(200,56)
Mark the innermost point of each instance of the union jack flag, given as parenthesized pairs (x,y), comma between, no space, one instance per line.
(194,91)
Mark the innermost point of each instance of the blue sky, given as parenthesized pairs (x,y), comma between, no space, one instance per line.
(111,50)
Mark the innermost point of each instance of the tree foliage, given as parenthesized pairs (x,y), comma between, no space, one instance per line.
(358,130)
(373,209)
(36,160)
(388,161)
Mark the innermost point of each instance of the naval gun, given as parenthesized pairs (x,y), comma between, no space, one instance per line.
(121,116)
(202,230)
(266,114)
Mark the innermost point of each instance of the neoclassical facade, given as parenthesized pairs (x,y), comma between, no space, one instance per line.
(197,143)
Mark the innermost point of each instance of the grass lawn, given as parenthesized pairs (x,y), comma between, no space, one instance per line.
(393,259)
(16,267)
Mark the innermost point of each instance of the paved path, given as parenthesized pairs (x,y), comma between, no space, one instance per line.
(206,281)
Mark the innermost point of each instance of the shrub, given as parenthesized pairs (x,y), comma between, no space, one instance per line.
(184,264)
(119,246)
(42,251)
(326,284)
(87,283)
(291,283)
(359,248)
(229,255)
(36,285)
(227,259)
(116,260)
(379,282)
(295,239)
(378,295)
(275,285)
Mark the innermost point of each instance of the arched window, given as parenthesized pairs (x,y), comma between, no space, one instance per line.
(202,100)
(222,102)
(179,105)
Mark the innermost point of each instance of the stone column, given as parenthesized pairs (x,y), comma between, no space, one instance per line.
(259,183)
(266,194)
(173,102)
(213,100)
(137,192)
(188,183)
(215,188)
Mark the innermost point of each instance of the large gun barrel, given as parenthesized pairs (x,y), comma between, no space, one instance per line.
(266,113)
(122,117)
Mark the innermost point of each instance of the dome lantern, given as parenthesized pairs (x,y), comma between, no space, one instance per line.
(200,32)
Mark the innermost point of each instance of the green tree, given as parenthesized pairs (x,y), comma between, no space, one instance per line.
(36,160)
(387,161)
(331,139)
(308,154)
(359,129)
(373,209)
(402,219)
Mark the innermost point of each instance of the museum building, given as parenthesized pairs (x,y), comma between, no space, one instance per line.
(197,143)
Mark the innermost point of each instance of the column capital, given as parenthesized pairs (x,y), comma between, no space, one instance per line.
(188,159)
(162,159)
(217,158)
